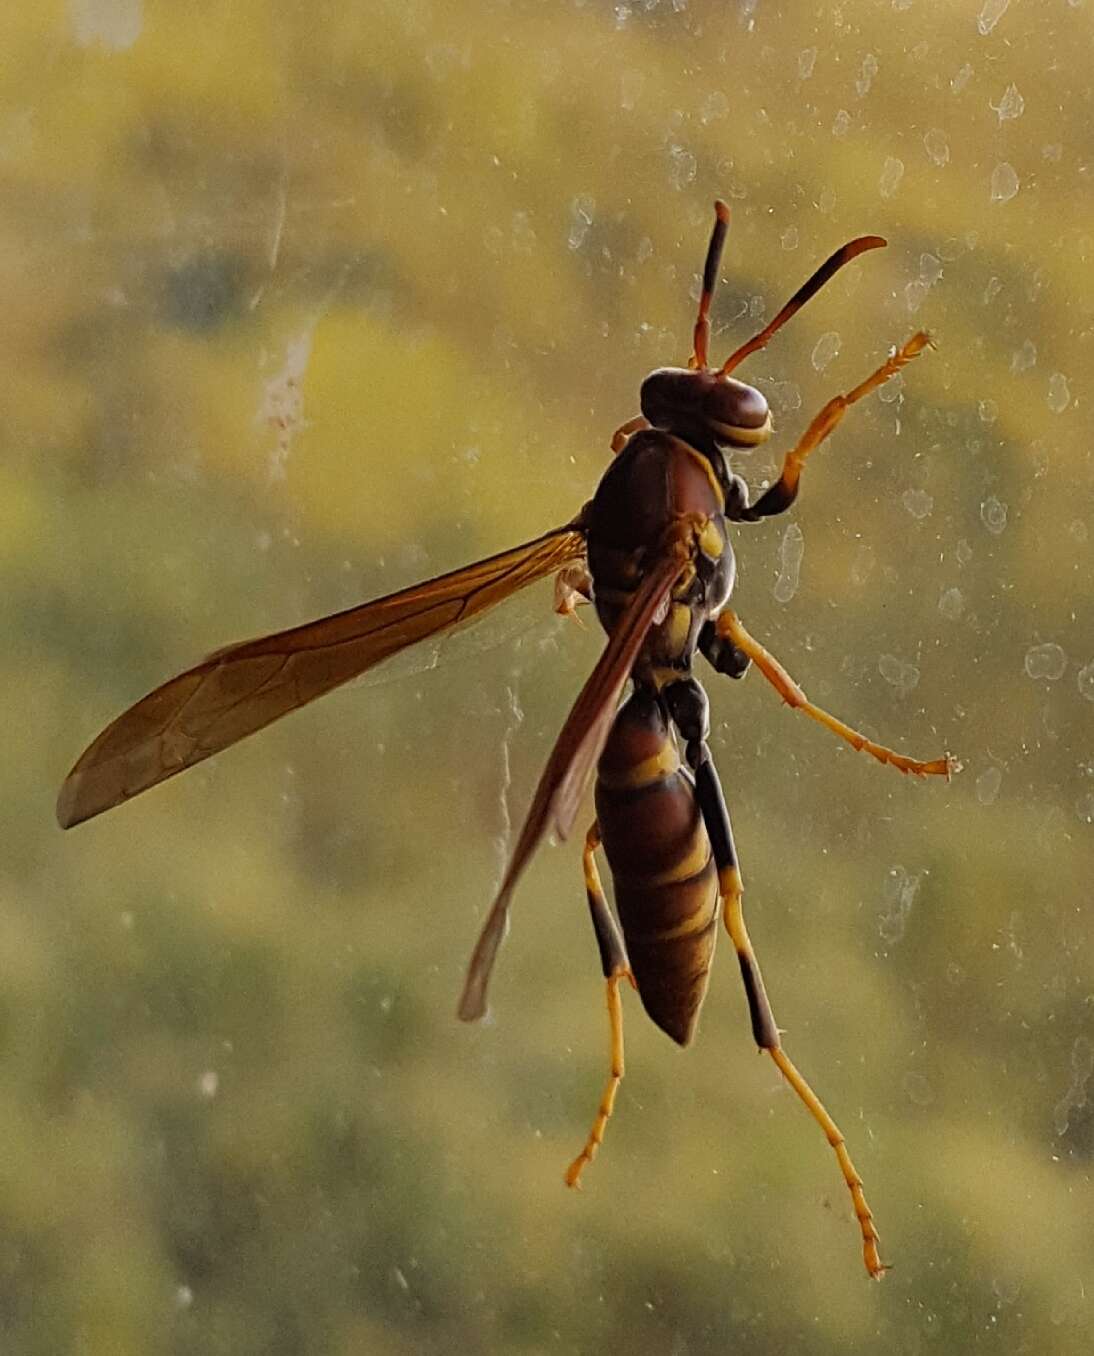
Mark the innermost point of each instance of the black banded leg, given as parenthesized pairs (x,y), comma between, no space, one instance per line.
(730,631)
(779,496)
(614,963)
(688,705)
(721,653)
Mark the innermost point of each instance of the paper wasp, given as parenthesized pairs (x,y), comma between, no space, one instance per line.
(651,550)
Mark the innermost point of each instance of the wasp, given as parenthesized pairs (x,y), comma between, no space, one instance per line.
(652,551)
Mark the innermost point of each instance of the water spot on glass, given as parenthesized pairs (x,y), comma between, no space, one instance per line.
(1004,182)
(898,897)
(682,167)
(994,287)
(1022,359)
(791,550)
(184,1297)
(208,1084)
(784,397)
(863,566)
(113,24)
(955,974)
(964,551)
(806,61)
(961,79)
(993,515)
(582,212)
(1046,661)
(990,15)
(937,145)
(524,235)
(841,123)
(1085,679)
(891,174)
(825,349)
(988,411)
(789,238)
(1074,1099)
(930,269)
(1053,152)
(898,673)
(1007,1288)
(988,784)
(1077,530)
(866,76)
(1011,105)
(893,390)
(715,106)
(918,502)
(282,406)
(951,604)
(1084,808)
(1059,393)
(917,1089)
(914,292)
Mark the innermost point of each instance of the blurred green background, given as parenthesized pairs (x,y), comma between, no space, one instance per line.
(304,302)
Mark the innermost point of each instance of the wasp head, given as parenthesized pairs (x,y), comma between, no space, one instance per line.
(703,405)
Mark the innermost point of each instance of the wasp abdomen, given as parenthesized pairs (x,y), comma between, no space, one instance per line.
(666,883)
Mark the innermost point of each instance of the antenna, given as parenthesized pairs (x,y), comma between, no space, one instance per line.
(832,265)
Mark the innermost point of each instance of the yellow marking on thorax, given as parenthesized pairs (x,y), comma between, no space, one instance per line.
(711,541)
(663,675)
(661,765)
(677,628)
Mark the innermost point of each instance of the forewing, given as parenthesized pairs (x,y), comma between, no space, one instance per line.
(572,761)
(241,689)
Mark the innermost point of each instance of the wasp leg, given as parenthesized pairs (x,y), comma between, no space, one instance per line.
(690,710)
(722,653)
(777,498)
(573,588)
(730,629)
(688,705)
(624,431)
(613,961)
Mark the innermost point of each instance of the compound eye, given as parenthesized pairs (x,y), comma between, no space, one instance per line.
(737,413)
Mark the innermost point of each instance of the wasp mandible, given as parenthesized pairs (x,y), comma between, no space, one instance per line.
(651,550)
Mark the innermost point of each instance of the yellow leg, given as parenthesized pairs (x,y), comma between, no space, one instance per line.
(624,431)
(614,960)
(607,1099)
(870,1238)
(782,492)
(729,628)
(767,1037)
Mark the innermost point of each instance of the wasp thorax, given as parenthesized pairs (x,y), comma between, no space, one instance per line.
(705,404)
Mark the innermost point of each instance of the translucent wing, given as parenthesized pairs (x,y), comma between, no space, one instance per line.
(573,759)
(244,687)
